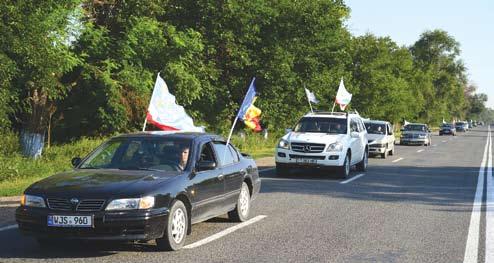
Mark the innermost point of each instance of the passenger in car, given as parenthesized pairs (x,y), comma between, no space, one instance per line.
(184,156)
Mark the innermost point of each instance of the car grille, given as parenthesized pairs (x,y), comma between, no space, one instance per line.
(296,156)
(307,147)
(84,205)
(376,145)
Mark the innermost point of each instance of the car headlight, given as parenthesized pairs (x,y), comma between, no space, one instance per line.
(32,201)
(131,203)
(283,144)
(335,147)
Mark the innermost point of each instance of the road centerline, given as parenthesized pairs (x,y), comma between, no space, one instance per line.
(351,179)
(421,150)
(225,232)
(397,160)
(489,212)
(472,245)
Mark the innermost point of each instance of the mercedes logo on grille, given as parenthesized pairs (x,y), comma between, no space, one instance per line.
(307,148)
(74,201)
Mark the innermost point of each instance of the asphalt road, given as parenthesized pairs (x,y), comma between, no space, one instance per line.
(415,206)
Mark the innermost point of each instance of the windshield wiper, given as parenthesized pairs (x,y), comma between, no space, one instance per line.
(139,168)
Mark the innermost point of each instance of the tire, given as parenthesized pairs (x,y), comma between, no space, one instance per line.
(281,171)
(177,219)
(242,209)
(344,171)
(385,154)
(362,165)
(392,151)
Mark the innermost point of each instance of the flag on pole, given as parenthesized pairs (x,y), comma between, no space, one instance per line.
(311,96)
(164,113)
(249,113)
(444,121)
(343,97)
(406,123)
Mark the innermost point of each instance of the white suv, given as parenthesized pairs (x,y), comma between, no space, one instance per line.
(324,139)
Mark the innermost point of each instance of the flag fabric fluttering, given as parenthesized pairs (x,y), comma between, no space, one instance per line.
(164,113)
(249,113)
(444,121)
(406,123)
(311,96)
(343,97)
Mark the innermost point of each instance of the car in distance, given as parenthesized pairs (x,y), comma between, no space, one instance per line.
(416,133)
(447,129)
(140,187)
(461,126)
(381,138)
(324,140)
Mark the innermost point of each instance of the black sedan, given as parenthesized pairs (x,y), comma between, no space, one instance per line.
(140,187)
(447,129)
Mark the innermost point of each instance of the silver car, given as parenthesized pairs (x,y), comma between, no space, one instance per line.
(416,133)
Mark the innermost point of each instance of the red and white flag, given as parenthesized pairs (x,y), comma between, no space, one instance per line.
(164,113)
(343,97)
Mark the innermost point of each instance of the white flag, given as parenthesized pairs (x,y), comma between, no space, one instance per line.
(343,97)
(406,123)
(164,113)
(310,96)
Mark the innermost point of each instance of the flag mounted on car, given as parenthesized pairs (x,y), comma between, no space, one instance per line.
(249,113)
(164,113)
(311,96)
(343,97)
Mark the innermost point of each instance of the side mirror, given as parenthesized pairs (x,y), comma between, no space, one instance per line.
(76,161)
(354,134)
(205,165)
(288,130)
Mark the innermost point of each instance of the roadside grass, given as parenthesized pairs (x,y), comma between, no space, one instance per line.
(18,172)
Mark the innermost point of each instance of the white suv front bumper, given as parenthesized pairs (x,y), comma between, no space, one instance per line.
(291,158)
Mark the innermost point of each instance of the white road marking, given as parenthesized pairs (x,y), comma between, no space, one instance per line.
(444,141)
(397,160)
(353,178)
(267,169)
(295,180)
(224,232)
(421,150)
(7,227)
(489,212)
(472,246)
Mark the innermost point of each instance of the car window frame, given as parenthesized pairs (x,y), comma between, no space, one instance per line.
(218,157)
(198,156)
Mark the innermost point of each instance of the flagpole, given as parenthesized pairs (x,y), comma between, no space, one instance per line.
(334,104)
(145,122)
(310,105)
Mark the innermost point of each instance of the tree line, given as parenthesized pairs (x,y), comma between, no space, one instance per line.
(72,68)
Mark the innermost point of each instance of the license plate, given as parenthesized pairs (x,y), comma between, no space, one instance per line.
(306,161)
(70,221)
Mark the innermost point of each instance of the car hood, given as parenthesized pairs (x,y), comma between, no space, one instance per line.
(375,137)
(99,183)
(314,137)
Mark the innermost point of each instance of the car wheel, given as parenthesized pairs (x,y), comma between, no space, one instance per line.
(344,171)
(392,151)
(385,153)
(362,165)
(176,228)
(242,209)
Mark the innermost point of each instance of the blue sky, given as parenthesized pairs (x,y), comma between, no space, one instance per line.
(470,22)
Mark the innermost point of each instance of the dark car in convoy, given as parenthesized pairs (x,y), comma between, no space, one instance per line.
(416,133)
(461,126)
(447,129)
(140,187)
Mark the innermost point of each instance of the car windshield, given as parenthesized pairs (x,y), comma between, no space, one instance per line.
(415,127)
(161,154)
(322,125)
(375,128)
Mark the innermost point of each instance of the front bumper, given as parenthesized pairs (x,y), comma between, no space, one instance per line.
(414,141)
(289,158)
(376,150)
(123,225)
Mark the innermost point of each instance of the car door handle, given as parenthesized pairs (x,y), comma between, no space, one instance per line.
(221,176)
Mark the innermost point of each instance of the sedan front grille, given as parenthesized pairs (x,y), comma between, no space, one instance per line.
(90,205)
(84,205)
(59,204)
(307,147)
